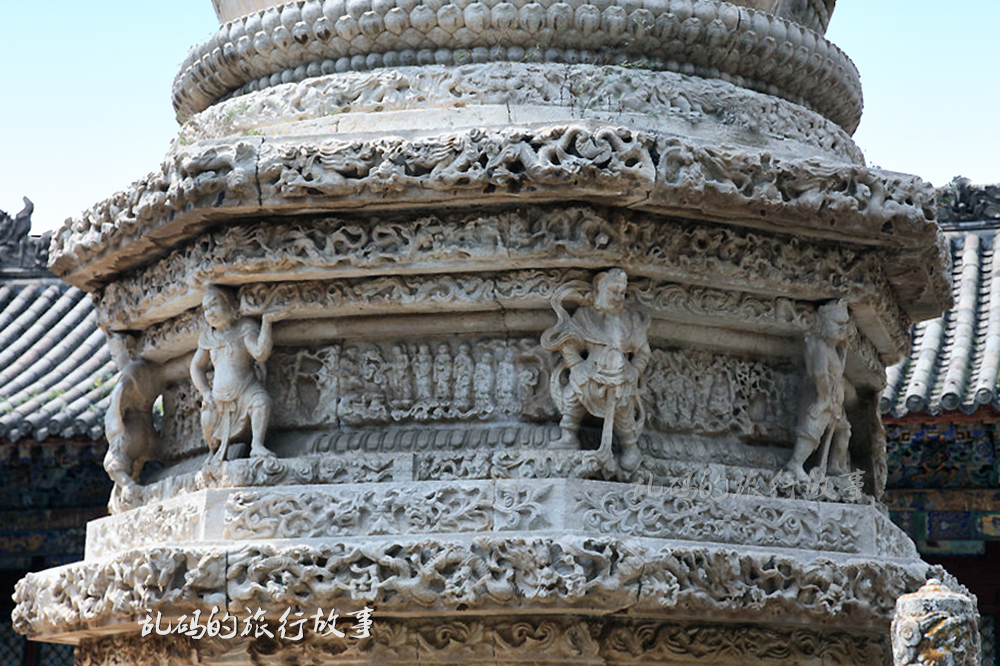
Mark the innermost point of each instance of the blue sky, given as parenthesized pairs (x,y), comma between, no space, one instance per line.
(85,108)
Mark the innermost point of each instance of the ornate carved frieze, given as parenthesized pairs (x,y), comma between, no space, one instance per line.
(461,292)
(411,382)
(714,479)
(700,392)
(157,523)
(662,98)
(509,574)
(72,598)
(736,520)
(747,47)
(509,639)
(661,249)
(373,511)
(501,451)
(663,174)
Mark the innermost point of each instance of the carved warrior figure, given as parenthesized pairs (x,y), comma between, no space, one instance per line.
(128,424)
(822,419)
(236,402)
(604,351)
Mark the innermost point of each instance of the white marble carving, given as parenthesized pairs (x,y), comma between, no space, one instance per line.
(603,352)
(235,403)
(435,266)
(823,423)
(129,426)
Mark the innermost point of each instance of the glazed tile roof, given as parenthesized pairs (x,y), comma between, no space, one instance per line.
(955,359)
(55,369)
(56,372)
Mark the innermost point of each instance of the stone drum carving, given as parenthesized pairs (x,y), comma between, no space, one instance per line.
(236,401)
(822,419)
(604,350)
(128,425)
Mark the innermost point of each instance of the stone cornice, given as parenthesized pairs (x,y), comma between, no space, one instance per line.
(590,161)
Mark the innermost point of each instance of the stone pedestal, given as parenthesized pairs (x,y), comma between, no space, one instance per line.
(548,331)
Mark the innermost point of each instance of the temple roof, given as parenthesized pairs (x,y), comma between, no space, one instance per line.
(955,358)
(56,372)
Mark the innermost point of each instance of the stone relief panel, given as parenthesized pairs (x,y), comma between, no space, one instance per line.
(181,429)
(521,639)
(411,382)
(753,522)
(157,523)
(349,512)
(589,90)
(484,573)
(700,392)
(650,247)
(397,510)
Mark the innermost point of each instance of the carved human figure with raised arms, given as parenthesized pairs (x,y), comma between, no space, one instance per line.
(236,402)
(822,419)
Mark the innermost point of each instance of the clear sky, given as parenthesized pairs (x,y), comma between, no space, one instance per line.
(85,108)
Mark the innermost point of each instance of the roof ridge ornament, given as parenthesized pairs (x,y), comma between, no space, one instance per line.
(21,254)
(963,205)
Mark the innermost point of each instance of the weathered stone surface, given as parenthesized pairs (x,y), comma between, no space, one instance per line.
(935,626)
(506,321)
(442,575)
(746,46)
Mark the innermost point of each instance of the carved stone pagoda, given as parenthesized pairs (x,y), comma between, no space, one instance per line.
(551,331)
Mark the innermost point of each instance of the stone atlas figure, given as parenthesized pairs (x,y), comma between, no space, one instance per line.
(236,402)
(604,350)
(822,419)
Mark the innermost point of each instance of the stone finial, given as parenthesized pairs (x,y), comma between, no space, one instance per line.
(935,627)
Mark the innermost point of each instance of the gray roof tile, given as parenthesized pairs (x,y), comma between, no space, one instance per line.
(954,362)
(56,372)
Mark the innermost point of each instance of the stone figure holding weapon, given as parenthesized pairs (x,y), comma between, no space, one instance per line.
(604,350)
